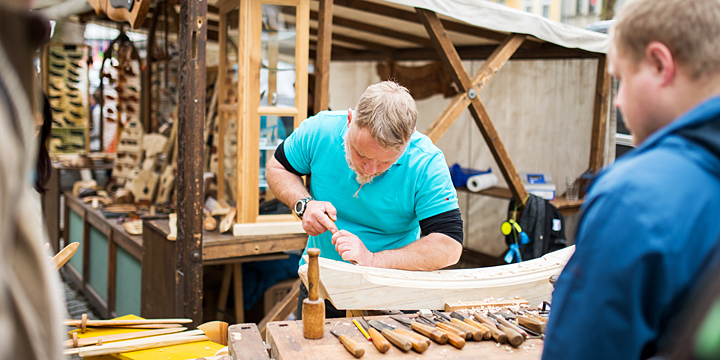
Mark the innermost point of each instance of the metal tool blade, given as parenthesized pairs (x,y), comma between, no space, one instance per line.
(379,326)
(401,320)
(334,333)
(364,323)
(441,315)
(457,315)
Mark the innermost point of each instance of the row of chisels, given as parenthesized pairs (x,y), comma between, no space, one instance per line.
(417,332)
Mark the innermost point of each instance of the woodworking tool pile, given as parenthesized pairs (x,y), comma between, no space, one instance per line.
(158,333)
(418,331)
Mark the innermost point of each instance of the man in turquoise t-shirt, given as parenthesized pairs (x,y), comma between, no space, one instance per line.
(380,193)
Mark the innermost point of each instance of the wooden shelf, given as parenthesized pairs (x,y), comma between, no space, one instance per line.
(566,207)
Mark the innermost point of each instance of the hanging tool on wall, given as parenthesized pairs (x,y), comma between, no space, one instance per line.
(132,11)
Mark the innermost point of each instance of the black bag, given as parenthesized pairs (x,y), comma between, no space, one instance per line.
(544,226)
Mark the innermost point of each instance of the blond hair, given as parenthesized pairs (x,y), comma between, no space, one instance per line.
(688,28)
(389,112)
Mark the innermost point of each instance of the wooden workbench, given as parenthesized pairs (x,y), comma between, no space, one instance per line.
(285,341)
(160,289)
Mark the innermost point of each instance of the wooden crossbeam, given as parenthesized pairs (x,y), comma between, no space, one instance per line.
(353,40)
(600,114)
(452,62)
(322,61)
(461,101)
(393,12)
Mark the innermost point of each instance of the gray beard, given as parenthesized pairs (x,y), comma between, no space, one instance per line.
(361,178)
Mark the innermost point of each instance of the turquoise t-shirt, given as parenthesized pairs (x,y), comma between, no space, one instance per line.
(386,212)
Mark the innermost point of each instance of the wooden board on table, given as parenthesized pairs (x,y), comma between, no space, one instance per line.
(287,342)
(175,352)
(356,287)
(477,304)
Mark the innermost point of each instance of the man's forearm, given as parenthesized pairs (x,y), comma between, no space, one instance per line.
(431,252)
(286,186)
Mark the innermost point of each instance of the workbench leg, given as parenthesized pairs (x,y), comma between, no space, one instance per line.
(224,291)
(237,284)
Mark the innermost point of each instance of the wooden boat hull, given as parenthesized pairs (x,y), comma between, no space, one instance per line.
(353,287)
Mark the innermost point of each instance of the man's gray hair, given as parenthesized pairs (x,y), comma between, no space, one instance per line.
(389,112)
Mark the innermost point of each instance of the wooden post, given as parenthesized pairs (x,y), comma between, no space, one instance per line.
(452,62)
(191,115)
(322,62)
(222,115)
(146,88)
(600,114)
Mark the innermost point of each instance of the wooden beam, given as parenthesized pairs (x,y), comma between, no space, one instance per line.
(600,114)
(364,43)
(302,50)
(146,88)
(191,116)
(374,29)
(452,62)
(222,116)
(460,102)
(396,13)
(322,62)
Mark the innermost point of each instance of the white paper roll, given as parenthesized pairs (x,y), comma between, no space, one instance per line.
(481,182)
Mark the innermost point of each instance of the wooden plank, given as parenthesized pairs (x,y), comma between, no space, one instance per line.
(282,309)
(279,111)
(224,291)
(364,43)
(238,293)
(100,224)
(460,102)
(222,117)
(452,61)
(276,228)
(302,53)
(347,285)
(271,244)
(276,218)
(286,342)
(191,116)
(225,6)
(374,29)
(449,307)
(600,114)
(396,13)
(248,156)
(322,61)
(245,343)
(112,271)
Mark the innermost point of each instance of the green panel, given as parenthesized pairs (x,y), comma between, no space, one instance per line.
(75,229)
(128,282)
(97,279)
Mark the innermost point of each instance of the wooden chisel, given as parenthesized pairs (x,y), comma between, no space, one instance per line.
(533,324)
(418,345)
(453,338)
(350,345)
(484,330)
(501,320)
(378,340)
(396,339)
(514,337)
(432,333)
(474,333)
(498,335)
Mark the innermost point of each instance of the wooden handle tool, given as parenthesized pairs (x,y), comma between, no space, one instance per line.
(479,332)
(477,335)
(351,346)
(447,327)
(453,338)
(447,323)
(414,335)
(378,340)
(419,345)
(513,337)
(396,339)
(498,335)
(428,331)
(533,324)
(487,334)
(501,320)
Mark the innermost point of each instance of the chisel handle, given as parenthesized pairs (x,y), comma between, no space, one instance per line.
(352,346)
(414,335)
(520,331)
(477,335)
(398,340)
(434,334)
(453,338)
(378,340)
(446,326)
(487,334)
(513,337)
(533,324)
(419,345)
(498,335)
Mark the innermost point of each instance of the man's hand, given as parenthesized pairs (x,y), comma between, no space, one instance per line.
(351,248)
(318,218)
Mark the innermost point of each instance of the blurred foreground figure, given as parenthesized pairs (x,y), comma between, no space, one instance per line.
(30,300)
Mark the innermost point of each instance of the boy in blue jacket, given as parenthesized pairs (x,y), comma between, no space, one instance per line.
(651,219)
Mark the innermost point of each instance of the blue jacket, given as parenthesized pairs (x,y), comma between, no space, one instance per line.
(646,229)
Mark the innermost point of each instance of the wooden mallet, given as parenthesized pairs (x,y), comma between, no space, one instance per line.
(313,310)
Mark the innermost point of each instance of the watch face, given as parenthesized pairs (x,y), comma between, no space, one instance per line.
(298,206)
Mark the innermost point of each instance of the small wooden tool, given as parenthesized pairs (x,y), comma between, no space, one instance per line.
(484,331)
(380,342)
(432,333)
(351,346)
(64,255)
(470,332)
(453,338)
(515,335)
(498,335)
(398,340)
(313,310)
(532,323)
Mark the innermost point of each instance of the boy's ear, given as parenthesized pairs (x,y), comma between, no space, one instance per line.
(660,58)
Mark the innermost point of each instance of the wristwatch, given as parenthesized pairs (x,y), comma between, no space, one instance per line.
(301,205)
